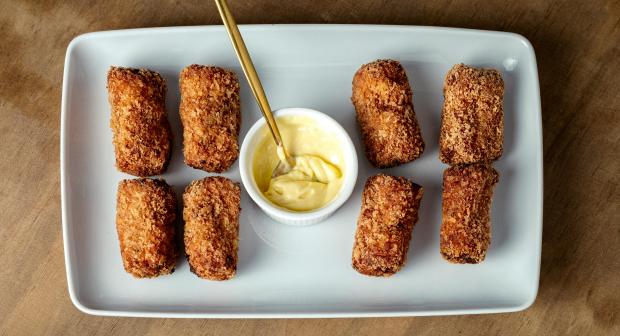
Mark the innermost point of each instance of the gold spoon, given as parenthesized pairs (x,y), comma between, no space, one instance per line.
(286,161)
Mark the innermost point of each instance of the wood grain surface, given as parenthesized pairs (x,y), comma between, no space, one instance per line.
(577,46)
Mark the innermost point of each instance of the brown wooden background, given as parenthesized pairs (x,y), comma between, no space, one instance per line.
(578,51)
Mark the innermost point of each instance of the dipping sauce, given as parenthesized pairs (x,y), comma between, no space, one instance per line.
(316,175)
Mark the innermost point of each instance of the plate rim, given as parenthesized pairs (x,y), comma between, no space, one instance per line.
(68,236)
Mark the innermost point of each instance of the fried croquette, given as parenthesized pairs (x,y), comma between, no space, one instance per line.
(465,228)
(389,212)
(211,117)
(472,118)
(145,215)
(211,213)
(383,102)
(141,131)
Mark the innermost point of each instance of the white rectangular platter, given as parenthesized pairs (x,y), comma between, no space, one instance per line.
(304,271)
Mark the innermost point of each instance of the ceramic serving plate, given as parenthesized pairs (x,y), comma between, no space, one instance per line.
(286,271)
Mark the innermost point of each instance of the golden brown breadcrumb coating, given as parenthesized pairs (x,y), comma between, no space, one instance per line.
(145,215)
(472,118)
(466,213)
(211,116)
(211,208)
(141,131)
(389,212)
(383,101)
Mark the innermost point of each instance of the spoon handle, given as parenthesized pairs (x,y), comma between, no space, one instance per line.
(248,69)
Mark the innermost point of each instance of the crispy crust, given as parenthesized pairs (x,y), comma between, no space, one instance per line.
(472,118)
(383,102)
(211,213)
(211,117)
(389,212)
(141,132)
(466,206)
(145,215)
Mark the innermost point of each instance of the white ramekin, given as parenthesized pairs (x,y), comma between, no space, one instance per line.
(285,216)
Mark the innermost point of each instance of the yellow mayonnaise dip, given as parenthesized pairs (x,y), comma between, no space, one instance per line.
(316,174)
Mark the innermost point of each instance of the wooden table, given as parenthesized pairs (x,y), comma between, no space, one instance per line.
(577,45)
